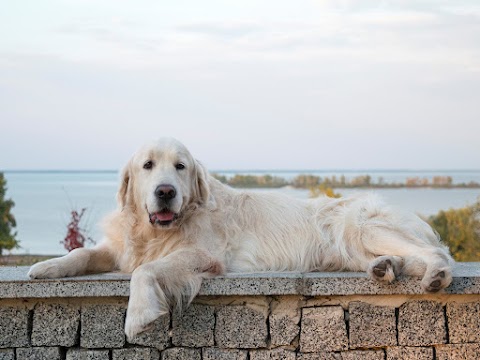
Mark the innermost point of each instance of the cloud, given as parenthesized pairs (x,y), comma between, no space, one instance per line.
(381,84)
(221,30)
(117,33)
(366,33)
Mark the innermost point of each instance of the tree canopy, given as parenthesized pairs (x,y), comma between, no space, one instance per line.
(8,239)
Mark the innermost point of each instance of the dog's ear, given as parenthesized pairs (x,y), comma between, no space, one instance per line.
(201,186)
(124,190)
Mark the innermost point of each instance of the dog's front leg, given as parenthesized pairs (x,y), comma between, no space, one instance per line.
(78,262)
(159,285)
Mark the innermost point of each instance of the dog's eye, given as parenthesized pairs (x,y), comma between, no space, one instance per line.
(180,166)
(148,165)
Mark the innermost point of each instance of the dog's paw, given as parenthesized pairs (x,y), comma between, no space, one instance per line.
(436,280)
(139,320)
(385,268)
(49,269)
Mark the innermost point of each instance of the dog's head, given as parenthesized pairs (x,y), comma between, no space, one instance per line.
(161,181)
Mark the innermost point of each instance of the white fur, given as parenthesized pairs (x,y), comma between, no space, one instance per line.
(222,229)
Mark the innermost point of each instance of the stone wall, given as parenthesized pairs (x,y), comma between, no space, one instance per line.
(248,316)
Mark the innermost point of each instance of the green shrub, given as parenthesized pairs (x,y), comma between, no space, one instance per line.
(460,230)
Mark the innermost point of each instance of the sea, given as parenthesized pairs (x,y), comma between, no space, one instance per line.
(44,199)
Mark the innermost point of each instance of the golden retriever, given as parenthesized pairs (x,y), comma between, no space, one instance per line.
(176,225)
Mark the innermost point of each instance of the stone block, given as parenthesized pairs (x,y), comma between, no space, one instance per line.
(157,337)
(284,321)
(421,323)
(13,327)
(55,325)
(7,354)
(241,327)
(283,330)
(84,354)
(181,354)
(39,353)
(319,356)
(372,326)
(363,355)
(457,351)
(194,327)
(409,353)
(102,326)
(463,322)
(135,354)
(323,329)
(274,354)
(223,354)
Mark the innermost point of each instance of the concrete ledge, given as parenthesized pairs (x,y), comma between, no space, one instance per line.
(289,316)
(14,283)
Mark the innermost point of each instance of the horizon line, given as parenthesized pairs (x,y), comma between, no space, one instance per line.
(337,170)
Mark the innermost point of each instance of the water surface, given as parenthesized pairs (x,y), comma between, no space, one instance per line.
(43,201)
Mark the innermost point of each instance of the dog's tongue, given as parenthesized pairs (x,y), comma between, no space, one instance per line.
(164,216)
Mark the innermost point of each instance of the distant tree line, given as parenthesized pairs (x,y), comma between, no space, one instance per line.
(305,181)
(250,181)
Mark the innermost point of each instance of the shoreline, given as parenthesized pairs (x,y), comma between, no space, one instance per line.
(23,259)
(393,186)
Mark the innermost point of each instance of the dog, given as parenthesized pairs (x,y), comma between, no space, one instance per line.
(176,225)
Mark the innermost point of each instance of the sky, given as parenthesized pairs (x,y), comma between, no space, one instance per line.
(243,84)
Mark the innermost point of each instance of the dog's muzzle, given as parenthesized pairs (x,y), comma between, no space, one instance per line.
(163,218)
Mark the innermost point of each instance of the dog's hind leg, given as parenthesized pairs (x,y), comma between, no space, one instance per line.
(387,243)
(435,268)
(397,253)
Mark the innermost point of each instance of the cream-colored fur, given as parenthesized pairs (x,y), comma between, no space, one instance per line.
(218,229)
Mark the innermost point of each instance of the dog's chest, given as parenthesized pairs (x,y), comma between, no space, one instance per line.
(142,252)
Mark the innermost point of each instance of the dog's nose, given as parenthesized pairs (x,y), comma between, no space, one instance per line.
(165,192)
